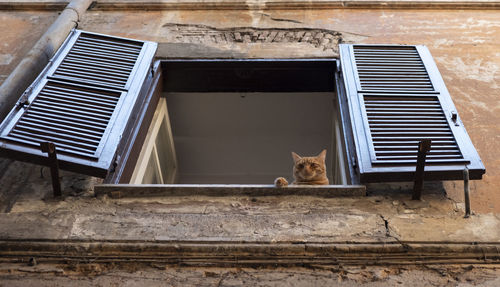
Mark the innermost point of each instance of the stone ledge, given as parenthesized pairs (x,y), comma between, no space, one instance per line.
(260,5)
(51,5)
(140,190)
(192,253)
(295,4)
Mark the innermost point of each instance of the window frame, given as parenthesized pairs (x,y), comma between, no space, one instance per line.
(125,172)
(150,149)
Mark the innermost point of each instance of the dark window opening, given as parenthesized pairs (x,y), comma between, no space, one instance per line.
(237,122)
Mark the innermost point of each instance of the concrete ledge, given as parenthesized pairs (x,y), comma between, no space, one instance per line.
(245,5)
(51,5)
(141,190)
(249,254)
(295,4)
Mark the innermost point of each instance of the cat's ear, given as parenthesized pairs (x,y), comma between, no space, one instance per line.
(322,155)
(296,157)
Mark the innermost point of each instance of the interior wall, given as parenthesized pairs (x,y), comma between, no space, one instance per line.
(247,138)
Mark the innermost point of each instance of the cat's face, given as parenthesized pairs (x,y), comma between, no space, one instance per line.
(309,168)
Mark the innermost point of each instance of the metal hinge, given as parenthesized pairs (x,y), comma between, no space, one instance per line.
(115,163)
(23,101)
(454,118)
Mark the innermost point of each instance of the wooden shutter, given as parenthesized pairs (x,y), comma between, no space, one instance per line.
(81,102)
(396,98)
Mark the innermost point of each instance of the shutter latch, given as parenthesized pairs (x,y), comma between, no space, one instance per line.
(454,118)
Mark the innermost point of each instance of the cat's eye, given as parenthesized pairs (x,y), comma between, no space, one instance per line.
(300,166)
(314,165)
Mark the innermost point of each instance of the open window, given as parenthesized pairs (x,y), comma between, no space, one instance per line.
(114,113)
(237,121)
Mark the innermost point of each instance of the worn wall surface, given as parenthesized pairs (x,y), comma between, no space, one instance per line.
(19,31)
(465,45)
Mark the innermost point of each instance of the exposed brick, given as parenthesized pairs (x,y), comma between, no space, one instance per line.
(319,38)
(247,38)
(271,37)
(263,35)
(318,35)
(237,37)
(279,37)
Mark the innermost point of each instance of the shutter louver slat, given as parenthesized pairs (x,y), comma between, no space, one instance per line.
(89,62)
(95,69)
(67,134)
(29,140)
(427,106)
(82,103)
(397,99)
(395,64)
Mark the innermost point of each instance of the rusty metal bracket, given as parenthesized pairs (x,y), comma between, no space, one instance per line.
(466,192)
(50,148)
(424,147)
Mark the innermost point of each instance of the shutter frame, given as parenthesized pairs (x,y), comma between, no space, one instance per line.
(370,168)
(116,114)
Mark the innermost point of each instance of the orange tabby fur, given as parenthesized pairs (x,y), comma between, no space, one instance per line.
(307,170)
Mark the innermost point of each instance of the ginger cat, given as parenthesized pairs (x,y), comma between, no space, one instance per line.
(307,170)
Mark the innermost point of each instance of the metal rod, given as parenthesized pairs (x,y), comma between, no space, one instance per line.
(423,147)
(466,192)
(50,148)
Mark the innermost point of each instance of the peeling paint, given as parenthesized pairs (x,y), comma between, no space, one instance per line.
(485,226)
(6,59)
(478,69)
(473,23)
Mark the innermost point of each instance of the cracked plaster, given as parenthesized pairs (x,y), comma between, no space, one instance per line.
(23,192)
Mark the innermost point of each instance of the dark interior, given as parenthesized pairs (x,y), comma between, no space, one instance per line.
(237,121)
(276,75)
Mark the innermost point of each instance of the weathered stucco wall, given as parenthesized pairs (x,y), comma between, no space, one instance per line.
(19,32)
(465,45)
